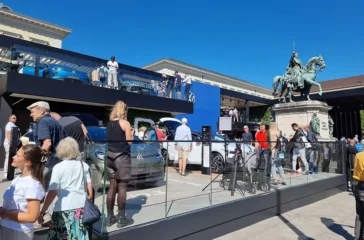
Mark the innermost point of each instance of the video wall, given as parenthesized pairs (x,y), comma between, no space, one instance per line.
(206,109)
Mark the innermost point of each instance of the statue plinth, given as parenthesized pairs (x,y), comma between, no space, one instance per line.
(302,113)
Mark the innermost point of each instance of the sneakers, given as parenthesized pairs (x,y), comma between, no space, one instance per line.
(111,220)
(123,222)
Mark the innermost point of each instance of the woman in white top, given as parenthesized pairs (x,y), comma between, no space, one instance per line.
(67,184)
(22,199)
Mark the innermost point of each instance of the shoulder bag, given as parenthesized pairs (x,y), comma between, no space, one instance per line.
(91,212)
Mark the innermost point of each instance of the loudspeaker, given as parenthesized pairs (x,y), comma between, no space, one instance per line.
(206,150)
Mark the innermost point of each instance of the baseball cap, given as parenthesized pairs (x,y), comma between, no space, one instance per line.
(184,120)
(39,104)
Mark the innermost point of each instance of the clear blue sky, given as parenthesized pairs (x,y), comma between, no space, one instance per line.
(250,40)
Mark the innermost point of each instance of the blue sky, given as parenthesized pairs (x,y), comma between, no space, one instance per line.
(250,40)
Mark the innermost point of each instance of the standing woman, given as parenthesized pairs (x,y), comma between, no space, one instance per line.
(67,184)
(119,137)
(278,153)
(22,199)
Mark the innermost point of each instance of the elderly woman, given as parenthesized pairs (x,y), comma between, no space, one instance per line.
(68,186)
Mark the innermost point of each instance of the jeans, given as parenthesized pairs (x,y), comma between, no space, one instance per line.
(311,155)
(302,153)
(112,79)
(169,92)
(358,190)
(277,163)
(6,163)
(187,91)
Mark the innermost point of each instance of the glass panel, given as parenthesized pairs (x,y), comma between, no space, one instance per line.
(188,188)
(143,177)
(62,66)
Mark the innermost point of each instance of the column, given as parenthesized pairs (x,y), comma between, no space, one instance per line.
(247,114)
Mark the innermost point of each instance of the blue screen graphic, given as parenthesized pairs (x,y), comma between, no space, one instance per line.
(206,109)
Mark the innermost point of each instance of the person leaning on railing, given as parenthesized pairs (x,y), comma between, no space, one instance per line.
(358,190)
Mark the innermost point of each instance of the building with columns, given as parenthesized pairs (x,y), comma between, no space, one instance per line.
(19,26)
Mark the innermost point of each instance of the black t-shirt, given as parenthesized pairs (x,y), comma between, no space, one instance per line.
(73,128)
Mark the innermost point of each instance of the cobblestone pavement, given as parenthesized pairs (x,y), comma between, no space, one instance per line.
(331,218)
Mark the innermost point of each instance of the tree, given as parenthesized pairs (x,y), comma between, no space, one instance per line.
(266,117)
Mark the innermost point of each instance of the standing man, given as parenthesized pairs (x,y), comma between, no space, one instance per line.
(299,148)
(47,135)
(247,137)
(262,145)
(112,78)
(75,129)
(311,151)
(183,132)
(177,84)
(356,139)
(358,189)
(188,82)
(169,85)
(8,127)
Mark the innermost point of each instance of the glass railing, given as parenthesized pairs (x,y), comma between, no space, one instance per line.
(159,187)
(60,66)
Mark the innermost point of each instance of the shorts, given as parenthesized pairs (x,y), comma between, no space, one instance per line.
(183,152)
(119,166)
(178,87)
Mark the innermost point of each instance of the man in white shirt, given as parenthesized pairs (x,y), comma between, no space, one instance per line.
(187,81)
(112,78)
(184,148)
(8,127)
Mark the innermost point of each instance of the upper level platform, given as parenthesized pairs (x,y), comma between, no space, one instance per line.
(39,72)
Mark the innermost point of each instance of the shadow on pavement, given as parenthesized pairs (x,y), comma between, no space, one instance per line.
(337,228)
(134,205)
(301,235)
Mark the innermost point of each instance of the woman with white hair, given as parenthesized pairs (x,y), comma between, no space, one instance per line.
(67,185)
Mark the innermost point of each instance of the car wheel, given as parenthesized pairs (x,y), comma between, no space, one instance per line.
(217,162)
(166,157)
(123,88)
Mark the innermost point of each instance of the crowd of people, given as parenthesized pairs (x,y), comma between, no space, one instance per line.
(55,181)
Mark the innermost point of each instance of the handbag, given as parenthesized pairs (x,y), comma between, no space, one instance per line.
(91,212)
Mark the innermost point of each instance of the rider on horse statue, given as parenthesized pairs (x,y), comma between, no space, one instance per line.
(295,69)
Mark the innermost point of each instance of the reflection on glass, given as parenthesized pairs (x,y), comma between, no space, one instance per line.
(60,66)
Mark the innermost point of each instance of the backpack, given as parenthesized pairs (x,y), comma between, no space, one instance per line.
(315,145)
(283,141)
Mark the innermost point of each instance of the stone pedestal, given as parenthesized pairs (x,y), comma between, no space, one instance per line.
(301,113)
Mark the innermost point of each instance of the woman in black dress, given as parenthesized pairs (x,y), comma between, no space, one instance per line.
(119,137)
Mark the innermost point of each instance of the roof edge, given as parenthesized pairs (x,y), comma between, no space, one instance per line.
(173,61)
(36,21)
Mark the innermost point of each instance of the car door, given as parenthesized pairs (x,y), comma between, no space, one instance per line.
(196,153)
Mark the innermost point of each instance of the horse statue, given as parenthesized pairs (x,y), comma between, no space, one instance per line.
(308,77)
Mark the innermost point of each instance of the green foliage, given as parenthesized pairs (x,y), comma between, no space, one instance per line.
(266,117)
(362,120)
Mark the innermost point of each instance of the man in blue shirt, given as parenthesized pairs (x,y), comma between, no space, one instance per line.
(184,148)
(47,135)
(358,145)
